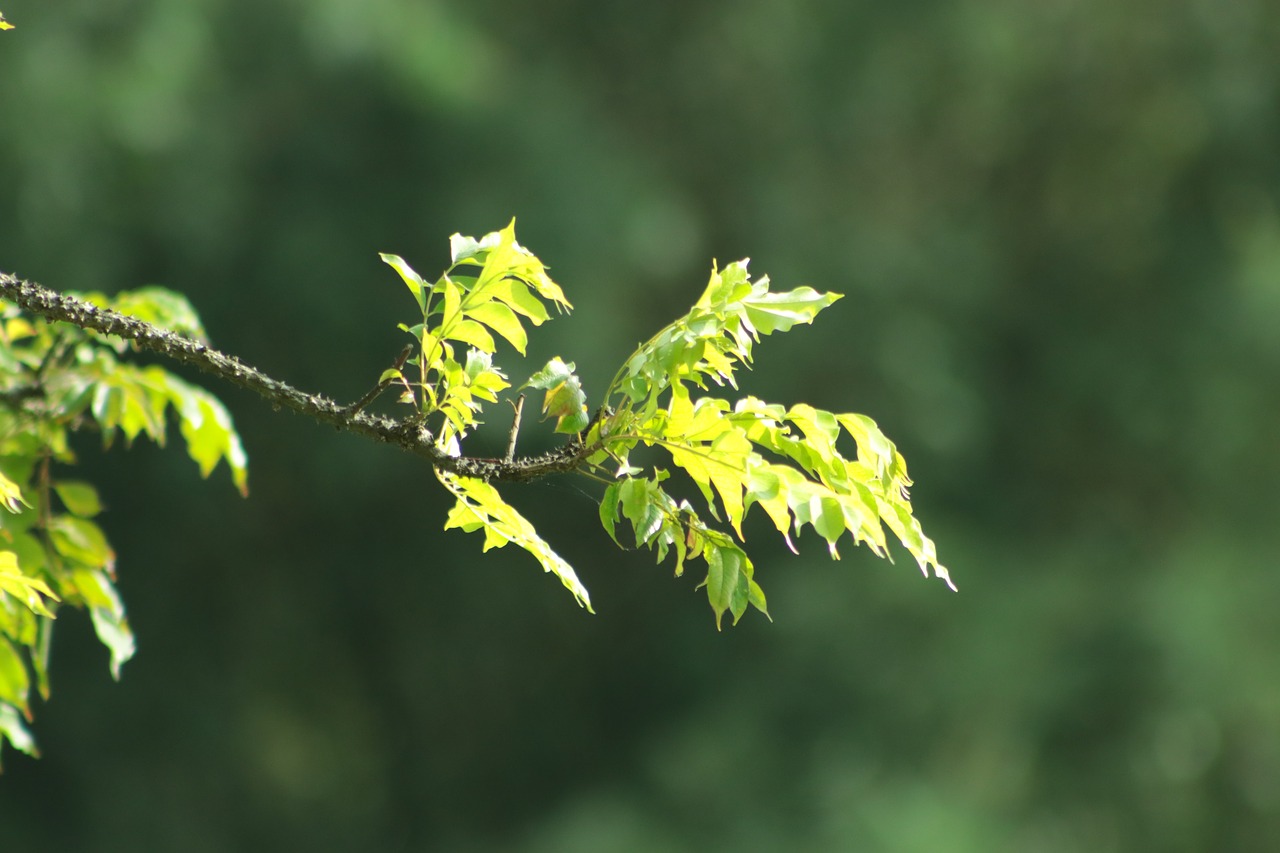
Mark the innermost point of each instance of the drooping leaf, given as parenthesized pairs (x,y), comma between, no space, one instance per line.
(479,506)
(15,682)
(643,503)
(107,612)
(609,511)
(13,730)
(206,427)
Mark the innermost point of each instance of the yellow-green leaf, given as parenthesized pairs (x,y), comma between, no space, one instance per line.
(78,497)
(502,320)
(11,495)
(480,506)
(412,280)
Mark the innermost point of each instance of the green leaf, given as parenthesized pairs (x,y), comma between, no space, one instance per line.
(15,683)
(565,399)
(827,517)
(642,503)
(756,596)
(479,506)
(471,332)
(31,592)
(778,312)
(161,307)
(502,320)
(515,294)
(501,258)
(609,511)
(727,586)
(82,541)
(132,401)
(416,285)
(208,431)
(465,248)
(13,730)
(107,612)
(11,495)
(78,497)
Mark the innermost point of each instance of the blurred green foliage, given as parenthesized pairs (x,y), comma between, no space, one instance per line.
(1058,229)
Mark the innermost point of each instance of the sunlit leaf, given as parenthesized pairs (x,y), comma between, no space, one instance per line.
(502,320)
(778,312)
(29,591)
(416,285)
(480,506)
(11,495)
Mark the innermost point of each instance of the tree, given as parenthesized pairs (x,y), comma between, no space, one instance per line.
(69,374)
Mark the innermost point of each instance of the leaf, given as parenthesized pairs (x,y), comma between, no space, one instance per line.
(502,320)
(161,307)
(827,517)
(31,592)
(515,294)
(778,312)
(479,506)
(416,285)
(464,248)
(642,503)
(82,541)
(132,401)
(78,497)
(565,399)
(756,596)
(728,581)
(500,259)
(208,431)
(609,511)
(11,725)
(107,612)
(470,332)
(15,683)
(11,495)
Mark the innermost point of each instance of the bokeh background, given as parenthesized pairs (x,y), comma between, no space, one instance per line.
(1057,226)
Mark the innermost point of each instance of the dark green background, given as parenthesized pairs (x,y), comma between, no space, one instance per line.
(1057,226)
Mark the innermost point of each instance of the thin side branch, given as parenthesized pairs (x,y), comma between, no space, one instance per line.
(381,386)
(408,434)
(515,428)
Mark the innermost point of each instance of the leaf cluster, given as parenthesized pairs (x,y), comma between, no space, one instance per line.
(55,379)
(835,473)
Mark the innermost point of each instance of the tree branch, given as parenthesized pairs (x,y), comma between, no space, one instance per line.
(408,434)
